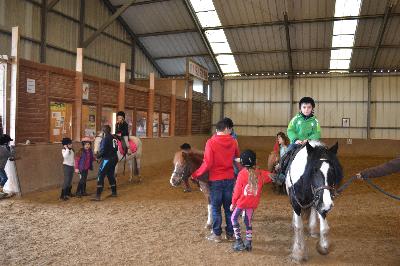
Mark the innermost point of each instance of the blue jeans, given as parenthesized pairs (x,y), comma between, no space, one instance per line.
(221,194)
(3,177)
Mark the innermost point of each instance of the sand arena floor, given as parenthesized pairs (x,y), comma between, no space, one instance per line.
(154,224)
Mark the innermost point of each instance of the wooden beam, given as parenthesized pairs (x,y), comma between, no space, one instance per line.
(78,95)
(107,23)
(14,83)
(189,108)
(150,111)
(122,87)
(173,109)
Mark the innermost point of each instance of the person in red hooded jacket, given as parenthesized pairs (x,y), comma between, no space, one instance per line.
(221,149)
(246,197)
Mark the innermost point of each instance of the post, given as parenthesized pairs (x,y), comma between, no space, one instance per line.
(222,82)
(173,109)
(291,93)
(43,31)
(150,111)
(189,108)
(369,105)
(122,89)
(78,94)
(14,82)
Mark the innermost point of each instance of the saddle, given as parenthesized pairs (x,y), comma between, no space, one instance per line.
(132,147)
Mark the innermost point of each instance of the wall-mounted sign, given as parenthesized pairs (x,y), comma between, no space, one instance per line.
(197,70)
(30,86)
(345,122)
(85,91)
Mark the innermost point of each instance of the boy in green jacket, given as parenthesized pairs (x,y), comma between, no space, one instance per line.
(304,126)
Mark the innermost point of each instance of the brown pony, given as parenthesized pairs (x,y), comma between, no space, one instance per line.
(185,163)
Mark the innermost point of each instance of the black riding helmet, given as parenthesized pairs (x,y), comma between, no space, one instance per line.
(248,158)
(66,141)
(185,146)
(121,113)
(4,139)
(307,100)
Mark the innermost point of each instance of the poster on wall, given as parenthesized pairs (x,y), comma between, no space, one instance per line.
(141,118)
(89,120)
(30,86)
(85,91)
(164,125)
(60,121)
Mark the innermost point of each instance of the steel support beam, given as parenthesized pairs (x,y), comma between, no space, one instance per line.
(281,23)
(134,37)
(222,82)
(161,33)
(110,20)
(133,60)
(196,22)
(290,74)
(43,31)
(381,32)
(52,4)
(81,33)
(144,3)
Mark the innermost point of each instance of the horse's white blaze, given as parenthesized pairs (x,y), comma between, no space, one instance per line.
(326,198)
(172,175)
(297,168)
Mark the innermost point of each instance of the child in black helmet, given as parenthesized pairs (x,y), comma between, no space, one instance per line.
(122,131)
(6,153)
(68,168)
(246,197)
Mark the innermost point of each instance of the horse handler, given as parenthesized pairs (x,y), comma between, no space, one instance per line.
(219,153)
(109,159)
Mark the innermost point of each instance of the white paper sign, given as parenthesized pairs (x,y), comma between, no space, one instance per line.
(85,91)
(30,86)
(56,131)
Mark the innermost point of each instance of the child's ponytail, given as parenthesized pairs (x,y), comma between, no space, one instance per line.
(252,181)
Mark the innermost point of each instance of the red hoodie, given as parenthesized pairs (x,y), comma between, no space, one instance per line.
(218,158)
(243,198)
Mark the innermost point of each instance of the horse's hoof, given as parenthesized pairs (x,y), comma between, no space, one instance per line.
(297,259)
(207,226)
(314,234)
(322,250)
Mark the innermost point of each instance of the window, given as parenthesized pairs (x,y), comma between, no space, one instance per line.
(198,85)
(156,120)
(141,118)
(108,117)
(164,125)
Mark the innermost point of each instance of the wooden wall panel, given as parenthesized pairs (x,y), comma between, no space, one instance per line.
(165,104)
(62,86)
(32,113)
(141,99)
(181,117)
(109,94)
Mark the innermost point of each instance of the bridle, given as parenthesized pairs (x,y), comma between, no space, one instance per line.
(314,191)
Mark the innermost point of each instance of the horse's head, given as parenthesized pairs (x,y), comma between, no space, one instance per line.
(325,174)
(182,168)
(96,144)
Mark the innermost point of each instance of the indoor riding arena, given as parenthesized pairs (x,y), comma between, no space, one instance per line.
(106,92)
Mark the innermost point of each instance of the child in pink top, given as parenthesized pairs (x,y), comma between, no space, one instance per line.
(246,197)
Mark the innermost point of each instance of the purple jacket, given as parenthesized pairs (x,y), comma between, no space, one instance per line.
(85,162)
(388,168)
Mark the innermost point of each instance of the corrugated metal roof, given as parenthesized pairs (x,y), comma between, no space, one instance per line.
(311,60)
(367,32)
(256,39)
(172,15)
(174,45)
(311,35)
(276,62)
(361,59)
(158,17)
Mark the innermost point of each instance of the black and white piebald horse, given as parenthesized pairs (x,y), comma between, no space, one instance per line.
(310,181)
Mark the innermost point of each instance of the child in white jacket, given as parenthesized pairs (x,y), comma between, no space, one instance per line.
(68,168)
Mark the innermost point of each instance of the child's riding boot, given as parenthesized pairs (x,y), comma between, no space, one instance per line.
(98,194)
(247,245)
(114,191)
(79,190)
(63,196)
(238,245)
(84,190)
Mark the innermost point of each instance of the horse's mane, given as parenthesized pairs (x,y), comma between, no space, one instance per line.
(195,155)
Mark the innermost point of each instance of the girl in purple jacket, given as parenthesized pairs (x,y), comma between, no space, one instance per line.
(83,163)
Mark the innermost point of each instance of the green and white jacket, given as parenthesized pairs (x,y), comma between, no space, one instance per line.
(301,128)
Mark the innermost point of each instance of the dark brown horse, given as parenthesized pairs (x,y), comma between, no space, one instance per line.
(185,163)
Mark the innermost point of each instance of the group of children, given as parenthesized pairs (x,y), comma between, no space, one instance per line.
(82,161)
(242,194)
